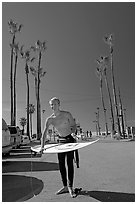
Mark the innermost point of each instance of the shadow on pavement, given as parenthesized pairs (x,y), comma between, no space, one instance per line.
(27,166)
(21,156)
(105,196)
(20,188)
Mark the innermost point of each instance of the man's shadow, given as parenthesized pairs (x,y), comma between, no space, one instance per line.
(105,196)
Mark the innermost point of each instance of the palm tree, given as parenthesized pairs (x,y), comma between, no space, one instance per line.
(121,115)
(23,122)
(100,74)
(38,73)
(96,122)
(13,29)
(104,63)
(108,40)
(97,116)
(31,111)
(26,56)
(16,50)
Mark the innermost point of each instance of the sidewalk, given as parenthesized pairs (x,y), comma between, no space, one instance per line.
(106,174)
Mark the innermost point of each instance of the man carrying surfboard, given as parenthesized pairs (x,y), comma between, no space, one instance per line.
(65,125)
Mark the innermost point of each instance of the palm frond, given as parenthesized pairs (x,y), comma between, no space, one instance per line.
(32,59)
(106,59)
(105,71)
(108,39)
(33,71)
(105,38)
(19,28)
(15,47)
(33,48)
(43,74)
(98,61)
(98,72)
(21,51)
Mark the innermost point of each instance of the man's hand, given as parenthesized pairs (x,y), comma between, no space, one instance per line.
(41,151)
(42,147)
(46,141)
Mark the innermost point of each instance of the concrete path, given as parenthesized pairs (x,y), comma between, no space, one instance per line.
(106,174)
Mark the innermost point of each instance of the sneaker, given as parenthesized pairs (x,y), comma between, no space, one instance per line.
(62,190)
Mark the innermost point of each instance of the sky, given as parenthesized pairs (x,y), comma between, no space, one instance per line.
(74,33)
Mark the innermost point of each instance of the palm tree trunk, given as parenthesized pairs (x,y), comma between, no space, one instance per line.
(98,122)
(36,91)
(111,106)
(38,102)
(23,131)
(121,114)
(31,124)
(16,59)
(102,99)
(11,82)
(114,91)
(27,100)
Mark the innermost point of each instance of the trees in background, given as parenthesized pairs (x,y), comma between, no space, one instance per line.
(99,70)
(31,111)
(103,67)
(38,72)
(109,41)
(103,64)
(26,56)
(14,28)
(23,122)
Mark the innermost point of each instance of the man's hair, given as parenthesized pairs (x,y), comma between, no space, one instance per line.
(54,99)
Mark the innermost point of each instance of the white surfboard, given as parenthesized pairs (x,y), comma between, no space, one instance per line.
(61,147)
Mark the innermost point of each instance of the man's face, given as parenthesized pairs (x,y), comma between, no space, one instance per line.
(54,105)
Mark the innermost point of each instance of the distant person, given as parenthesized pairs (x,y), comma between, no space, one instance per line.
(65,125)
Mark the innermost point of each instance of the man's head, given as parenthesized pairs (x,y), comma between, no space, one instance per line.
(54,103)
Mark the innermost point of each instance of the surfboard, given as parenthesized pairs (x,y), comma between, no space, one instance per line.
(61,147)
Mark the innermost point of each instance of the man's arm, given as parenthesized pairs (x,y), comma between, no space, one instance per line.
(44,134)
(72,123)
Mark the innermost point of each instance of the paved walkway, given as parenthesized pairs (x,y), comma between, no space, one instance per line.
(106,174)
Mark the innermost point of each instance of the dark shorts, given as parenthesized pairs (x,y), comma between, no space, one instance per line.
(66,139)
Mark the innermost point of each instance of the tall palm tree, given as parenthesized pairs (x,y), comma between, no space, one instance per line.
(96,122)
(109,40)
(121,115)
(38,72)
(31,111)
(104,63)
(13,29)
(23,122)
(99,128)
(16,50)
(100,75)
(26,56)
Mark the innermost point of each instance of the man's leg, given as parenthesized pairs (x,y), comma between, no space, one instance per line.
(61,159)
(70,157)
